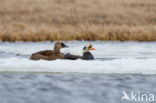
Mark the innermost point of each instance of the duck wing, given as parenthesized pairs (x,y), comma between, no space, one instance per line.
(72,57)
(45,53)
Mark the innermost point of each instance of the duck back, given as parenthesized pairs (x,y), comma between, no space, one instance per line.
(71,57)
(46,55)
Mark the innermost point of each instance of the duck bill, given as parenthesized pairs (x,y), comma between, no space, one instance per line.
(65,46)
(92,48)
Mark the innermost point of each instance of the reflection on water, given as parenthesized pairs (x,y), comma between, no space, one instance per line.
(71,88)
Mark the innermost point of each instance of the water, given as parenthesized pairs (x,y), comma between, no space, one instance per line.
(71,88)
(110,57)
(118,67)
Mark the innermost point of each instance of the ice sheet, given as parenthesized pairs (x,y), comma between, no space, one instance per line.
(110,57)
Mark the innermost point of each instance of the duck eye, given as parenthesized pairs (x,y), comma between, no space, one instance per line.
(90,46)
(84,48)
(62,44)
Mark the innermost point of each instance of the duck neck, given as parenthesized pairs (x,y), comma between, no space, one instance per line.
(57,50)
(84,51)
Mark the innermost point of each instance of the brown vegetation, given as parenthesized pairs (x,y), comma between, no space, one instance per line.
(40,20)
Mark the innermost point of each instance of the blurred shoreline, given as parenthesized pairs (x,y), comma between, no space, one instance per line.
(52,20)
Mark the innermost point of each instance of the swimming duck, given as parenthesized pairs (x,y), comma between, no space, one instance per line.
(86,54)
(50,54)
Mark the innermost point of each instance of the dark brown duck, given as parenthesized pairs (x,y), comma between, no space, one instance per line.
(86,54)
(50,54)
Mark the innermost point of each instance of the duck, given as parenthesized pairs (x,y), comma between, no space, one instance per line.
(86,54)
(50,54)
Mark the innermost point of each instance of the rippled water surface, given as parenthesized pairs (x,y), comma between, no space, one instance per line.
(72,88)
(118,67)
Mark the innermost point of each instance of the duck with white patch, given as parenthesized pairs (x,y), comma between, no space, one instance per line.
(85,56)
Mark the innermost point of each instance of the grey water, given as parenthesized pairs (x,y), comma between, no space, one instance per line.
(118,68)
(72,88)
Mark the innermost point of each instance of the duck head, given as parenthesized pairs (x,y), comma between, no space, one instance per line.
(87,48)
(58,46)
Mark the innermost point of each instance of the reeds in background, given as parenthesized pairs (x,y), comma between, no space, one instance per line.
(40,20)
